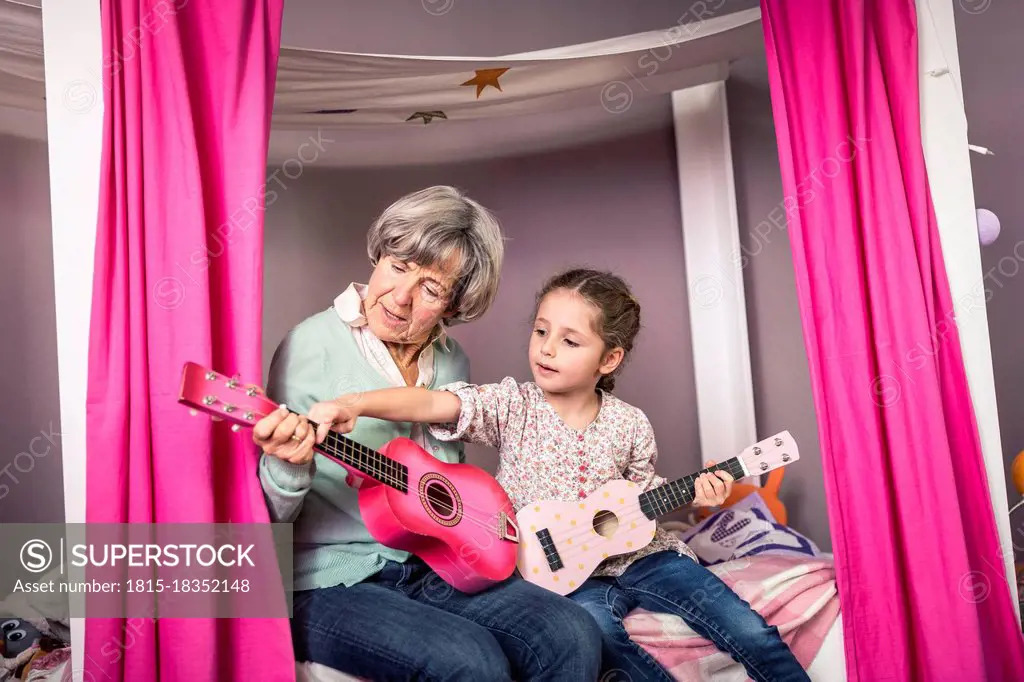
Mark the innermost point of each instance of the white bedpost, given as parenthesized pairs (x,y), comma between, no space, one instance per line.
(711,241)
(944,132)
(73,55)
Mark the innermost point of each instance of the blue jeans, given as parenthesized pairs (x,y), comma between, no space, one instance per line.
(406,623)
(668,582)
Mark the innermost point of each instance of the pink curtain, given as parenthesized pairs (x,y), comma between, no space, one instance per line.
(921,581)
(189,87)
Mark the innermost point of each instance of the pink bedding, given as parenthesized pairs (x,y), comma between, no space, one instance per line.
(798,595)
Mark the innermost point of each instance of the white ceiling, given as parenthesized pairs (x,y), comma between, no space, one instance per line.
(464,28)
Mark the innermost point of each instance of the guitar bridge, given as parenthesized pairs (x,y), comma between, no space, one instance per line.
(507,528)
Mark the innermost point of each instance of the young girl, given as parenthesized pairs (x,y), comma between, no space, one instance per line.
(562,436)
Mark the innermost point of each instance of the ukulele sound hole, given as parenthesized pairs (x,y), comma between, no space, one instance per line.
(440,500)
(606,523)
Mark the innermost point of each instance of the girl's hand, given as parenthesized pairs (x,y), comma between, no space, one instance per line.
(711,490)
(338,415)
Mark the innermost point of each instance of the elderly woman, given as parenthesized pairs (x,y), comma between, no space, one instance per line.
(360,607)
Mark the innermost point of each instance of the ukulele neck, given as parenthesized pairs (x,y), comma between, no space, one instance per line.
(366,461)
(676,494)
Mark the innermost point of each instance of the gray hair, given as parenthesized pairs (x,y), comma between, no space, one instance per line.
(428,226)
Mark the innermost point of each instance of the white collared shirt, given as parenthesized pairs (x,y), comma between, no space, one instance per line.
(349,306)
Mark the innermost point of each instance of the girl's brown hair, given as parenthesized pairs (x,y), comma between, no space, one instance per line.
(619,321)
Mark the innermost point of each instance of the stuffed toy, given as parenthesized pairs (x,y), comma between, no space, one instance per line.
(21,645)
(18,635)
(769,492)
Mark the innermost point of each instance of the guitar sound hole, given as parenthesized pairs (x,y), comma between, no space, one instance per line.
(606,523)
(440,500)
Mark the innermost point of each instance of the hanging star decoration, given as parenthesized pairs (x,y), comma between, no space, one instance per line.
(427,116)
(485,77)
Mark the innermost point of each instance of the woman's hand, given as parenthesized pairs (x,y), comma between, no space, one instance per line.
(711,490)
(285,435)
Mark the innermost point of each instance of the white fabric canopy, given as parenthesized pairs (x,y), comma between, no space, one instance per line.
(366,90)
(21,57)
(330,89)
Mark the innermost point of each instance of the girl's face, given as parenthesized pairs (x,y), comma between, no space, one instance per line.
(566,352)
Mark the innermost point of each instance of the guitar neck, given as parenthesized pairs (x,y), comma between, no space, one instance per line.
(676,494)
(366,461)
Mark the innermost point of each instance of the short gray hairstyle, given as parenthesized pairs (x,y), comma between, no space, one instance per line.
(430,225)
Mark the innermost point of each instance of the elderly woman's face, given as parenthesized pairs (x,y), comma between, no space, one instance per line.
(405,301)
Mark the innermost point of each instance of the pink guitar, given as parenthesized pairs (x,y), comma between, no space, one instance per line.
(563,542)
(453,516)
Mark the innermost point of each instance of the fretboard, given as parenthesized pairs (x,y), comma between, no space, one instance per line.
(680,492)
(366,460)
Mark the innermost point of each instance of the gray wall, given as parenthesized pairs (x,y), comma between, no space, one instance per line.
(991,54)
(30,421)
(782,383)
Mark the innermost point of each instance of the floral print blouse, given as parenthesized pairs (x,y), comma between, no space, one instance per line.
(540,457)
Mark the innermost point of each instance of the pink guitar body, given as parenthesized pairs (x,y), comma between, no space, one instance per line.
(439,520)
(453,516)
(585,532)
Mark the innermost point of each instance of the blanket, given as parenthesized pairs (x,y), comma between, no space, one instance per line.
(796,594)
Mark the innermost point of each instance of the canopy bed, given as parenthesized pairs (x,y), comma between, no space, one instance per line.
(884,73)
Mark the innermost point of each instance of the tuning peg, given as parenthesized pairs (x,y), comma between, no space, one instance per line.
(215,418)
(193,413)
(236,428)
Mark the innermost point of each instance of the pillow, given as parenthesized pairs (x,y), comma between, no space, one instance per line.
(754,502)
(745,529)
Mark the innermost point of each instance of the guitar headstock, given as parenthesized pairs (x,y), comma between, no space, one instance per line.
(223,397)
(771,453)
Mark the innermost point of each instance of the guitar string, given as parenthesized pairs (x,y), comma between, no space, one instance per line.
(630,515)
(397,483)
(577,550)
(585,534)
(691,480)
(491,517)
(390,479)
(387,478)
(489,523)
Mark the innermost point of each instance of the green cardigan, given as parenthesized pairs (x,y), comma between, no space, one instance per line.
(317,360)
